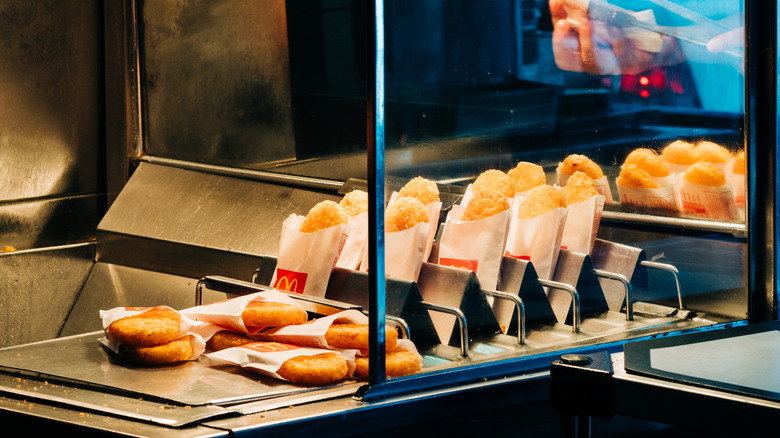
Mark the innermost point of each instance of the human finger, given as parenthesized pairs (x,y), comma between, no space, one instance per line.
(557,11)
(587,48)
(729,40)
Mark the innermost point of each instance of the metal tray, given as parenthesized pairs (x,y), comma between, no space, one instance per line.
(80,371)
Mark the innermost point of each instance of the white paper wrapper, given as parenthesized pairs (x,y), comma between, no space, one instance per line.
(434,211)
(227,313)
(405,252)
(475,245)
(306,260)
(267,357)
(708,202)
(313,334)
(737,183)
(355,244)
(602,185)
(676,168)
(582,225)
(200,331)
(537,240)
(663,198)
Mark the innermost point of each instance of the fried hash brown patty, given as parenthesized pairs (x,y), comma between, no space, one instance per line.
(324,215)
(177,350)
(633,176)
(404,213)
(740,165)
(577,162)
(272,314)
(398,363)
(704,174)
(680,152)
(712,152)
(649,161)
(494,179)
(424,190)
(314,370)
(527,176)
(540,200)
(155,326)
(578,188)
(355,336)
(355,202)
(226,339)
(485,204)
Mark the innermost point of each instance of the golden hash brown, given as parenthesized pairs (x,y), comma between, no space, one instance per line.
(485,204)
(578,188)
(226,339)
(398,363)
(272,314)
(177,350)
(527,176)
(494,179)
(422,189)
(633,176)
(577,162)
(540,200)
(355,336)
(155,326)
(649,161)
(704,174)
(680,152)
(740,166)
(712,152)
(324,215)
(355,202)
(404,213)
(317,369)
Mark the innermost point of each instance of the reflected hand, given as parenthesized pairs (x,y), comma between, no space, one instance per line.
(582,45)
(733,39)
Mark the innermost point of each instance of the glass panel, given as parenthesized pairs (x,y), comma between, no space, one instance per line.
(641,247)
(644,98)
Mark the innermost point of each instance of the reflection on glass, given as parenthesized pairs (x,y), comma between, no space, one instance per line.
(497,83)
(589,158)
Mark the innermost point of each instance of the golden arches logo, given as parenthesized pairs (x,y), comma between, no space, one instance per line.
(270,347)
(290,280)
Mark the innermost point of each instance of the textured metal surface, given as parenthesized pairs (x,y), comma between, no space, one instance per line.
(205,211)
(575,269)
(110,286)
(47,222)
(50,120)
(35,389)
(84,360)
(216,81)
(38,289)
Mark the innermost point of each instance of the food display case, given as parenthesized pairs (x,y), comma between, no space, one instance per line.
(599,173)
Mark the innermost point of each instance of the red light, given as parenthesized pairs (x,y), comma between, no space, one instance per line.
(644,93)
(644,80)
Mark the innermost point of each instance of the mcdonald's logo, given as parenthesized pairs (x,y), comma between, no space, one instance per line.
(471,265)
(270,347)
(290,280)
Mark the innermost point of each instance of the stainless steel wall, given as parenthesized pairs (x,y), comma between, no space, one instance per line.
(216,81)
(52,160)
(51,122)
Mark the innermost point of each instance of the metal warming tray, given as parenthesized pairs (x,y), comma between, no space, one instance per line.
(79,371)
